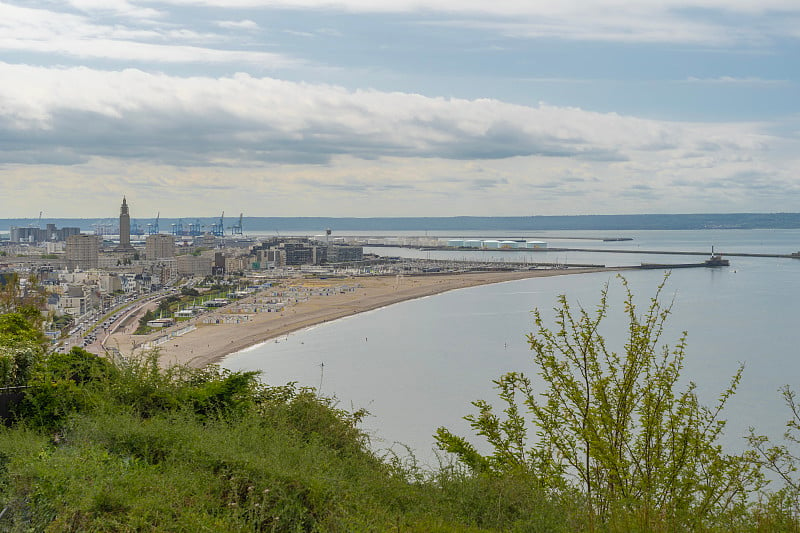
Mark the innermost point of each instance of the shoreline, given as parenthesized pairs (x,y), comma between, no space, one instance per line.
(211,343)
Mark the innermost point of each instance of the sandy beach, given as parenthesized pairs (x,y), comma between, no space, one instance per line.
(211,342)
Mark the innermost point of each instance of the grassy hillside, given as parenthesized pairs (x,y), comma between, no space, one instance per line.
(129,447)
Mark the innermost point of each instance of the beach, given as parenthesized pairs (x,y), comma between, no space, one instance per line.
(211,337)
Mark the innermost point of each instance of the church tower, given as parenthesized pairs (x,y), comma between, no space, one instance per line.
(124,229)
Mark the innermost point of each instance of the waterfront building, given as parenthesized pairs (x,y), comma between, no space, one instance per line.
(36,235)
(296,252)
(124,229)
(340,253)
(82,251)
(160,246)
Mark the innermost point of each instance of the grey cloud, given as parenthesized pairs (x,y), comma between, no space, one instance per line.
(355,185)
(243,120)
(56,156)
(642,192)
(485,184)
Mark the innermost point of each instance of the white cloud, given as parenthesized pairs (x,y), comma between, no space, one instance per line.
(116,7)
(76,36)
(244,117)
(732,80)
(317,149)
(243,136)
(238,24)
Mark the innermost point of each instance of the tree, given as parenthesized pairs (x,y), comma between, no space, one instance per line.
(781,458)
(611,425)
(189,291)
(21,345)
(28,299)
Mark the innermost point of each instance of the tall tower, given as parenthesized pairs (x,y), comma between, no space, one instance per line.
(124,229)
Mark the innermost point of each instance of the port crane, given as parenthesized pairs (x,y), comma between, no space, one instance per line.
(152,229)
(236,229)
(218,230)
(136,228)
(195,228)
(177,228)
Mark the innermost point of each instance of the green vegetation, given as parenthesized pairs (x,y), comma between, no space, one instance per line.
(124,445)
(199,250)
(143,328)
(21,343)
(109,447)
(61,321)
(614,428)
(189,291)
(782,459)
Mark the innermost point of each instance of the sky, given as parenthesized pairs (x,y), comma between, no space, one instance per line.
(369,108)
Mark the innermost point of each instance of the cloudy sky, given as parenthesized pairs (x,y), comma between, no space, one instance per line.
(398,107)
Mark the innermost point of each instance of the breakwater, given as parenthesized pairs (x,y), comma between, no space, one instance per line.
(612,251)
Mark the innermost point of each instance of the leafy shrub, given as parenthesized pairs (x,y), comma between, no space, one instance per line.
(613,425)
(21,346)
(62,384)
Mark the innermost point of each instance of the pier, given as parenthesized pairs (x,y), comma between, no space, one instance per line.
(661,252)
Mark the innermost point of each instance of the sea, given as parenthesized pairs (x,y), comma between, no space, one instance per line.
(418,365)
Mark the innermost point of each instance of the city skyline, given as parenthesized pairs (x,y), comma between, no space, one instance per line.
(319,108)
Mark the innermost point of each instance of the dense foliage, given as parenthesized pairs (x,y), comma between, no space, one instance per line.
(102,446)
(21,345)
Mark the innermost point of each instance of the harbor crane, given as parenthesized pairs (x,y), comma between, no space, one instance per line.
(177,228)
(136,228)
(218,230)
(195,228)
(152,229)
(236,229)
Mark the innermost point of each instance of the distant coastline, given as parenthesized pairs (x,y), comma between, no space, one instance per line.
(272,225)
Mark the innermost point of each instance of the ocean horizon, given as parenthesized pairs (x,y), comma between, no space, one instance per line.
(449,224)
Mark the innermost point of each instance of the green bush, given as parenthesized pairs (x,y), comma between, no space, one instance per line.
(613,426)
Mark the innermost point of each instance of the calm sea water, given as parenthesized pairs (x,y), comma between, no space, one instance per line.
(417,365)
